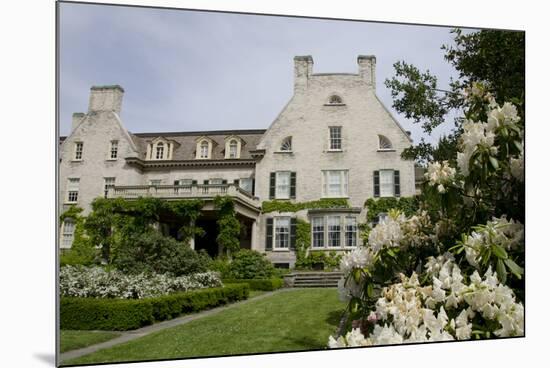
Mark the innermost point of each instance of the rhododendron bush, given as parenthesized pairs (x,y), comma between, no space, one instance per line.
(454,270)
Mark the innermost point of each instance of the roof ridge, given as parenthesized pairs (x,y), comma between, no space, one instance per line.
(201,132)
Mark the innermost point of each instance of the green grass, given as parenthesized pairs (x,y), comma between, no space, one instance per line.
(255,293)
(299,319)
(71,340)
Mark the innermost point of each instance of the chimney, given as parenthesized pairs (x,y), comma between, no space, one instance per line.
(106,98)
(77,118)
(303,66)
(367,69)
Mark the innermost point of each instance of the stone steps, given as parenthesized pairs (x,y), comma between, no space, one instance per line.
(313,279)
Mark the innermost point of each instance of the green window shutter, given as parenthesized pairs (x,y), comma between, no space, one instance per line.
(397,186)
(236,182)
(293,222)
(269,234)
(253,186)
(272,185)
(205,182)
(176,182)
(377,183)
(194,182)
(293,185)
(224,181)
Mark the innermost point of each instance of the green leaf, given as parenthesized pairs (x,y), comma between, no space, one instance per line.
(370,291)
(518,145)
(514,268)
(493,162)
(501,271)
(391,253)
(499,251)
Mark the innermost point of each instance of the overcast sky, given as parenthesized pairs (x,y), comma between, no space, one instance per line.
(187,71)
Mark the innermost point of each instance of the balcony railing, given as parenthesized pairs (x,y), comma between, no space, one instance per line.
(181,191)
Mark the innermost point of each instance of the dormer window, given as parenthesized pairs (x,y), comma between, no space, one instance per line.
(160,151)
(233,147)
(384,144)
(286,145)
(335,100)
(204,149)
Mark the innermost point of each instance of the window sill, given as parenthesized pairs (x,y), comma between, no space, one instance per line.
(334,150)
(74,160)
(112,159)
(66,202)
(335,197)
(335,104)
(284,152)
(386,150)
(280,250)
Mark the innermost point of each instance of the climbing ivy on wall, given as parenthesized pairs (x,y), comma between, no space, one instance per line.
(287,206)
(407,205)
(303,240)
(307,259)
(229,228)
(82,250)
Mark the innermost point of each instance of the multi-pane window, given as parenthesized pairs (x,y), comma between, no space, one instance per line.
(72,189)
(79,146)
(114,150)
(351,232)
(204,149)
(318,229)
(68,233)
(160,151)
(233,146)
(282,232)
(334,230)
(335,183)
(335,138)
(246,184)
(108,183)
(215,181)
(155,182)
(287,144)
(384,143)
(184,182)
(282,189)
(386,183)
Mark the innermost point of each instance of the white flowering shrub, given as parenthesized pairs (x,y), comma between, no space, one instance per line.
(417,279)
(95,282)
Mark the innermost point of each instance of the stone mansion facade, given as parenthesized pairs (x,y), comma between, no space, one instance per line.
(333,139)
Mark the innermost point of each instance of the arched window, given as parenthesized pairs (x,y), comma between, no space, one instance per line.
(204,149)
(233,147)
(160,151)
(286,145)
(384,143)
(335,100)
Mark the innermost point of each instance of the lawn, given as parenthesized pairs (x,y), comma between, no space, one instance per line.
(71,340)
(298,319)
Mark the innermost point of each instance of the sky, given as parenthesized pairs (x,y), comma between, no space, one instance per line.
(191,71)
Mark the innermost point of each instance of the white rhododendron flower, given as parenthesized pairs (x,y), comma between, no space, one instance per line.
(474,135)
(516,167)
(502,116)
(359,257)
(440,174)
(387,233)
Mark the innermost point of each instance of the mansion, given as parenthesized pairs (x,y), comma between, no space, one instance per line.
(333,139)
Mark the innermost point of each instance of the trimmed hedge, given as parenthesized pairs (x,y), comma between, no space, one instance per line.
(124,314)
(258,284)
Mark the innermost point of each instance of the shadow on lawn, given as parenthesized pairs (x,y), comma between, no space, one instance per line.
(334,317)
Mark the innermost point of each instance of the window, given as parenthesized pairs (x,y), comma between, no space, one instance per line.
(155,182)
(204,149)
(68,233)
(215,181)
(318,228)
(246,184)
(114,150)
(282,232)
(287,144)
(382,216)
(335,138)
(384,143)
(282,190)
(351,232)
(335,99)
(160,151)
(184,182)
(335,183)
(333,225)
(386,183)
(233,146)
(72,190)
(108,183)
(78,147)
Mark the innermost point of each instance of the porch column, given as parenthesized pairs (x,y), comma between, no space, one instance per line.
(253,234)
(192,240)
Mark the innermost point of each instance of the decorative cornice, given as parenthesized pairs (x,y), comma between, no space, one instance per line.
(146,164)
(334,210)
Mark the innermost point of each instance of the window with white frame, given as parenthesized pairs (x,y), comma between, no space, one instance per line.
(318,232)
(108,183)
(204,148)
(160,151)
(286,145)
(335,138)
(215,181)
(246,184)
(335,183)
(282,189)
(113,152)
(78,148)
(233,147)
(282,232)
(333,231)
(350,231)
(386,183)
(155,182)
(72,189)
(68,233)
(184,182)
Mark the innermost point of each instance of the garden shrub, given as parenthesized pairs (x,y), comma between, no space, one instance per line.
(153,252)
(258,284)
(320,260)
(375,206)
(250,264)
(222,266)
(120,314)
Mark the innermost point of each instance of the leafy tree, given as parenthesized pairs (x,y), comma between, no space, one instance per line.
(494,57)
